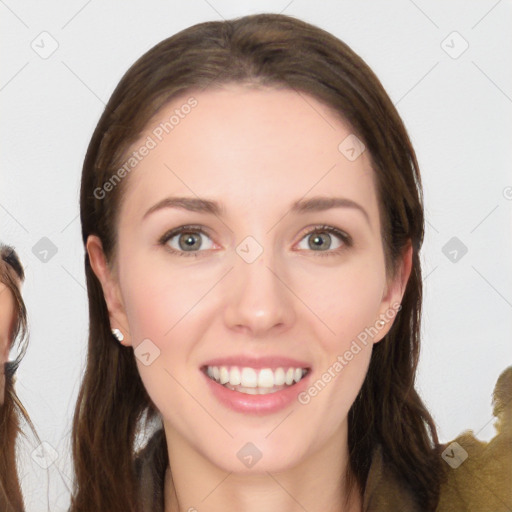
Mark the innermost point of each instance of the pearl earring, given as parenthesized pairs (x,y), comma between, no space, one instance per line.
(118,335)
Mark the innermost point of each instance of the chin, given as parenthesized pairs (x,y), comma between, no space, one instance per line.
(255,457)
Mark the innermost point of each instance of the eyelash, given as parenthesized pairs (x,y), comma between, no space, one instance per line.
(346,239)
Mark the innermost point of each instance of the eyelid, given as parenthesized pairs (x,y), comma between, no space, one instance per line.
(180,229)
(329,229)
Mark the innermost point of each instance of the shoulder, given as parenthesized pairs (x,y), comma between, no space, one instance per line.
(479,474)
(385,490)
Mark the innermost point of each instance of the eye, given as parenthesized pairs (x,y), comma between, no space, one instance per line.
(186,240)
(320,240)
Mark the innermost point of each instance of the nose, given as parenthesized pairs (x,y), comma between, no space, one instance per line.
(258,300)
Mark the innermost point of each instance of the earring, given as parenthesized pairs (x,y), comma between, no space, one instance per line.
(118,335)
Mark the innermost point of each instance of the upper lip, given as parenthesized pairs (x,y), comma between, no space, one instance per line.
(258,363)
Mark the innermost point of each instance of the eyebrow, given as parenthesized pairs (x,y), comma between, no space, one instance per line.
(314,204)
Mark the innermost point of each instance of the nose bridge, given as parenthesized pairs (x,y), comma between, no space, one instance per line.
(258,300)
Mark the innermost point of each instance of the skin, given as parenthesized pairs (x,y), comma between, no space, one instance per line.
(7,319)
(256,152)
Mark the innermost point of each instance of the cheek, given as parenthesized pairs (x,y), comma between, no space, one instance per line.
(164,313)
(346,299)
(159,296)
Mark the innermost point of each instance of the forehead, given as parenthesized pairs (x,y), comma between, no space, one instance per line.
(248,147)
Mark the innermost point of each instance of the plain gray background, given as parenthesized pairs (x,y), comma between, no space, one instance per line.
(456,103)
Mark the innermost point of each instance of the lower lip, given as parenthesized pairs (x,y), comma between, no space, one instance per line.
(257,404)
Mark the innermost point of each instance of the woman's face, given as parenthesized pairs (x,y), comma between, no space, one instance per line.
(7,318)
(248,287)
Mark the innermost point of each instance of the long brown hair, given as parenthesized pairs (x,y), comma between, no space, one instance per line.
(12,410)
(266,50)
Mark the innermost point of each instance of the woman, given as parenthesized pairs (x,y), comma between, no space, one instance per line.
(228,157)
(13,326)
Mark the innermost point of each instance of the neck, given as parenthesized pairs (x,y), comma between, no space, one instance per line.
(316,484)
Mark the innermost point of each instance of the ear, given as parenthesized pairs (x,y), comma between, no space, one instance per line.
(110,285)
(393,294)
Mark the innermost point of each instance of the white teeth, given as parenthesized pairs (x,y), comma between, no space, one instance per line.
(261,381)
(234,376)
(254,391)
(279,377)
(224,375)
(249,378)
(266,378)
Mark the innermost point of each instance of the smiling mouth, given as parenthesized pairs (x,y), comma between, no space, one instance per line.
(252,381)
